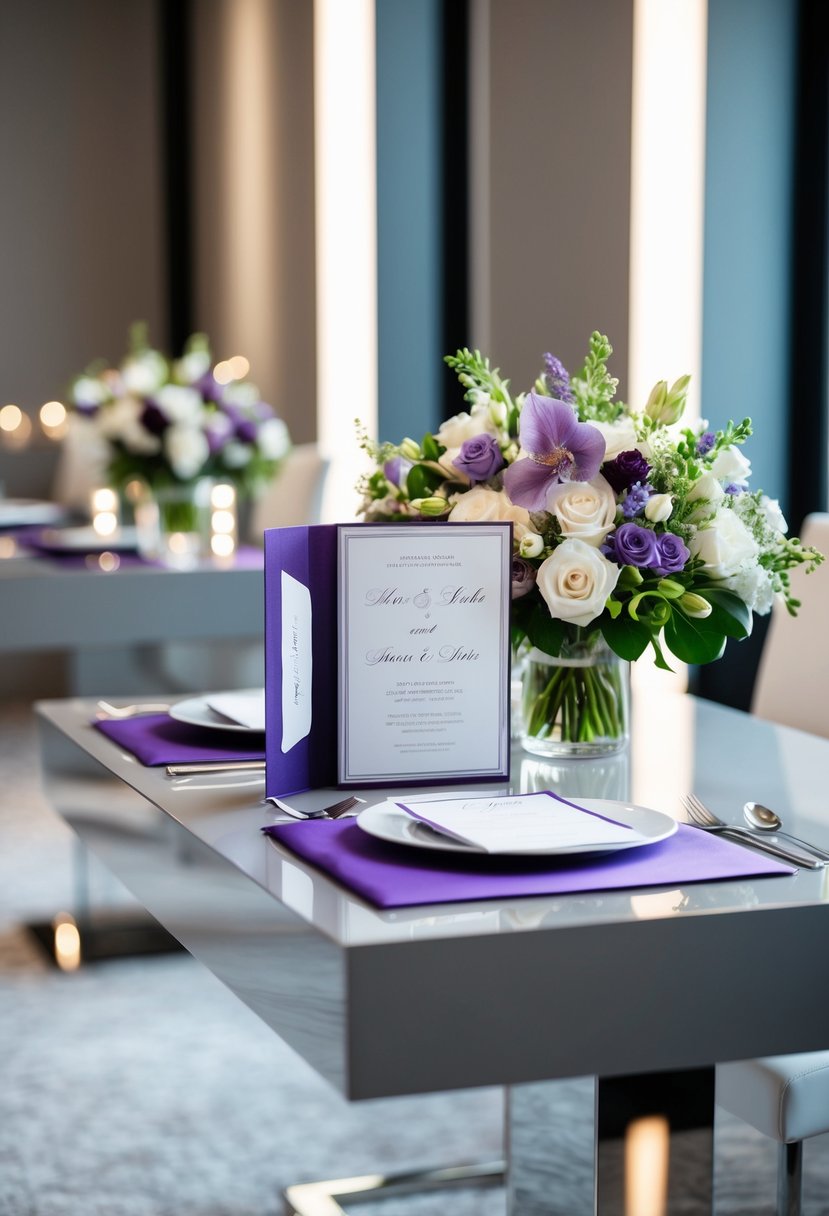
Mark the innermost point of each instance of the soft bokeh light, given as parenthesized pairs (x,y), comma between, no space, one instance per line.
(222,372)
(104,499)
(222,545)
(222,496)
(11,417)
(239,366)
(8,547)
(223,521)
(67,942)
(54,420)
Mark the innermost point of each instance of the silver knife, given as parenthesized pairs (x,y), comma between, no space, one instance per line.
(744,836)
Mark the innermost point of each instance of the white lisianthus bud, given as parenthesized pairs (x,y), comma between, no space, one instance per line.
(694,605)
(730,465)
(433,506)
(410,450)
(531,545)
(658,508)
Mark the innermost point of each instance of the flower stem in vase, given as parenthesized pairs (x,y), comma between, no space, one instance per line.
(575,704)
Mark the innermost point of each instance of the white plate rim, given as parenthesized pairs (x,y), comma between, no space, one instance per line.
(393,825)
(22,512)
(195,711)
(85,539)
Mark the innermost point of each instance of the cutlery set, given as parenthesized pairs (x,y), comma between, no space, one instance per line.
(787,848)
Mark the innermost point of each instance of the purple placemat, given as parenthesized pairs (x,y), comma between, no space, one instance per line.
(159,739)
(396,876)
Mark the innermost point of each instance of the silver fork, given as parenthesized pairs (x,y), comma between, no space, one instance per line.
(703,817)
(105,710)
(325,812)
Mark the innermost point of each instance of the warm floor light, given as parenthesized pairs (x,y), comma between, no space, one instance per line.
(647,1144)
(67,942)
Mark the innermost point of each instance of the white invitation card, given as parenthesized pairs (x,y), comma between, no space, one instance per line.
(424,652)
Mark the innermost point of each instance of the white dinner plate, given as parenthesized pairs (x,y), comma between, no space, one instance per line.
(86,540)
(388,822)
(20,512)
(196,711)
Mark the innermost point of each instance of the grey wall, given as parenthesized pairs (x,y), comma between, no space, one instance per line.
(551,141)
(80,203)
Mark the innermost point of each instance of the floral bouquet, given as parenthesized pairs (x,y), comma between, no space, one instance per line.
(172,423)
(629,530)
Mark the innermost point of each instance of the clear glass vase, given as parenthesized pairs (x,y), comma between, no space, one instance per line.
(577,703)
(173,522)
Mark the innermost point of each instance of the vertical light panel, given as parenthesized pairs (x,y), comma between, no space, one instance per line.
(346,220)
(248,181)
(667,208)
(667,194)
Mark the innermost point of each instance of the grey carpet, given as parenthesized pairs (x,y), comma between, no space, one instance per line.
(144,1088)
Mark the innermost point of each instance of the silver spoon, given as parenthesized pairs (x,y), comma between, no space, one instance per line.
(766,820)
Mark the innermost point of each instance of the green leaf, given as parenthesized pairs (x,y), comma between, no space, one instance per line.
(694,640)
(626,637)
(432,450)
(731,616)
(544,631)
(421,481)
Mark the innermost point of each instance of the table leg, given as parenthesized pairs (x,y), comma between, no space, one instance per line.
(623,1146)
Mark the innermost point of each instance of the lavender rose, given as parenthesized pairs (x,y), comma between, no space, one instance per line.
(631,545)
(626,469)
(673,554)
(479,458)
(523,577)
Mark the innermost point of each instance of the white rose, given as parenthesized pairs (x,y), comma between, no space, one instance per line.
(619,436)
(192,366)
(752,583)
(480,504)
(731,466)
(121,423)
(273,439)
(706,488)
(446,463)
(236,455)
(724,545)
(774,516)
(455,430)
(586,510)
(575,582)
(187,450)
(144,373)
(180,404)
(658,508)
(89,391)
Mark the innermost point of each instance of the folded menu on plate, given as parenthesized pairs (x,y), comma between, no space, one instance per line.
(244,708)
(518,822)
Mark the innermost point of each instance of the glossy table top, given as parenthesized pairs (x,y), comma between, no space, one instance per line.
(507,991)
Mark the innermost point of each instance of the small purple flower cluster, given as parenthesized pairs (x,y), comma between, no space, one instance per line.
(633,545)
(557,379)
(705,443)
(636,499)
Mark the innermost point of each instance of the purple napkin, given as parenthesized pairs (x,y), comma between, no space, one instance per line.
(159,739)
(396,876)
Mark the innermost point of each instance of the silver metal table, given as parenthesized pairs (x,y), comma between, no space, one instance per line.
(644,989)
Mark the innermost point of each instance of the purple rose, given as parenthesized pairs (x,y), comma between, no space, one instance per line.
(153,418)
(209,387)
(246,430)
(673,554)
(626,470)
(631,545)
(396,470)
(479,457)
(523,577)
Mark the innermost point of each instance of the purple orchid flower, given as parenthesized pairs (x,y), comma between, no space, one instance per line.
(559,447)
(479,457)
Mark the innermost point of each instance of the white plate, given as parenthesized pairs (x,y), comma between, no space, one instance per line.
(86,540)
(390,823)
(19,512)
(195,711)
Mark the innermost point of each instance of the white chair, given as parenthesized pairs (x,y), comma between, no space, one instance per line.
(295,495)
(787,1097)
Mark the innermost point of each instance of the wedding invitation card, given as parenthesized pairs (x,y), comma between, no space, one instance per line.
(424,652)
(386,654)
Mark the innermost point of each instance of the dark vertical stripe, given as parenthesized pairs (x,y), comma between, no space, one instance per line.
(175,23)
(808,427)
(454,67)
